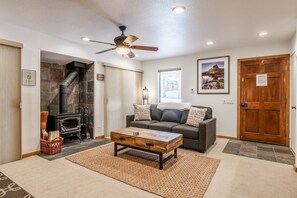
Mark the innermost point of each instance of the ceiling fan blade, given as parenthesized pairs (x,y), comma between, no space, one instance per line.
(130,39)
(105,51)
(102,42)
(148,48)
(131,54)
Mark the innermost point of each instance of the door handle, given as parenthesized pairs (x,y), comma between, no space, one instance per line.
(243,105)
(293,107)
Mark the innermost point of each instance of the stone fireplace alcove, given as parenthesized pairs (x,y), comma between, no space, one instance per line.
(78,74)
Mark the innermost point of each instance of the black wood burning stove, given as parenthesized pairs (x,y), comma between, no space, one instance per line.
(69,124)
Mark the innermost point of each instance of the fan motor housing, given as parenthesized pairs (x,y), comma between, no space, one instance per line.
(119,39)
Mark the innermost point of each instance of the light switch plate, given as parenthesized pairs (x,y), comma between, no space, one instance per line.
(228,101)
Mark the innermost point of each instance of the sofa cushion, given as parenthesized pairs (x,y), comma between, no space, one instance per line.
(208,114)
(142,112)
(187,131)
(184,117)
(196,115)
(142,124)
(171,115)
(156,113)
(163,126)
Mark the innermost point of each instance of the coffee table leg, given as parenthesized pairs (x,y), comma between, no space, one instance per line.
(115,149)
(161,161)
(175,153)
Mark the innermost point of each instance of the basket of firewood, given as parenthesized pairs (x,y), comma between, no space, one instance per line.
(51,147)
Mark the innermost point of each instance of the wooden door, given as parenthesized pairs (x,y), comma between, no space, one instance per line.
(263,110)
(293,93)
(10,97)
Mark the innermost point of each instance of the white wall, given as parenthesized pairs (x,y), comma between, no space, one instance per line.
(33,43)
(226,114)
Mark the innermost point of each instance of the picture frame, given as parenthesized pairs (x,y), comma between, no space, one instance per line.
(100,77)
(213,75)
(28,77)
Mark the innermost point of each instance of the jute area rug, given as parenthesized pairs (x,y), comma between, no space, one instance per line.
(9,189)
(187,176)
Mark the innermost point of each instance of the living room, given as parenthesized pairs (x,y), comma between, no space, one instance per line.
(183,37)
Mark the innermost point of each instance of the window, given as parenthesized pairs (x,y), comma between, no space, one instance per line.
(170,86)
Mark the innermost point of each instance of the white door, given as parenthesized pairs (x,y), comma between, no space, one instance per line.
(122,90)
(10,97)
(293,102)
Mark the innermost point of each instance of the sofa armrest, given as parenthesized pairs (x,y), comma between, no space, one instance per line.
(129,119)
(207,134)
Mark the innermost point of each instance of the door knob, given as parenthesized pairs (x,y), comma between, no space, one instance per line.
(293,107)
(243,105)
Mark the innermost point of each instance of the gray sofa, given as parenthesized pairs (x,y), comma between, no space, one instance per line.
(171,120)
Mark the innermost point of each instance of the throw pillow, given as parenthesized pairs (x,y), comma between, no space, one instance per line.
(196,115)
(142,112)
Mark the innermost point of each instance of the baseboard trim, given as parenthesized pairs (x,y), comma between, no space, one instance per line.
(227,137)
(99,137)
(30,154)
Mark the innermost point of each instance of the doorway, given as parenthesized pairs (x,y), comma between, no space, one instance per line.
(10,97)
(263,99)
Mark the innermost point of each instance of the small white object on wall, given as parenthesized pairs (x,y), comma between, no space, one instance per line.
(261,80)
(28,77)
(228,101)
(100,77)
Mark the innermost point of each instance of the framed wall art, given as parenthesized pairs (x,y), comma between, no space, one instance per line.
(213,75)
(28,77)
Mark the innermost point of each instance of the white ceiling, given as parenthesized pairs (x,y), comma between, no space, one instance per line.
(229,23)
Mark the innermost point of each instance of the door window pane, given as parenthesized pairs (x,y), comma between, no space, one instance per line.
(170,86)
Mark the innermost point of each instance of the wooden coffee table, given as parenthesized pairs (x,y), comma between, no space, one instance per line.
(157,142)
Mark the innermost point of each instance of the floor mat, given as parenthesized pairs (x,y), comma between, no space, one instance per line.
(188,175)
(9,189)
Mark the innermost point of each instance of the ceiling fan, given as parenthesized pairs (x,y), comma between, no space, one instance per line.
(123,44)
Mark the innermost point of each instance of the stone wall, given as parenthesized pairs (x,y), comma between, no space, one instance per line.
(51,76)
(87,93)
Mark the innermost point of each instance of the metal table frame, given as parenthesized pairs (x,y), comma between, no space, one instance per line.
(161,160)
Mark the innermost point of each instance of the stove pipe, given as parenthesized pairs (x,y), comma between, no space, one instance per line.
(74,67)
(64,90)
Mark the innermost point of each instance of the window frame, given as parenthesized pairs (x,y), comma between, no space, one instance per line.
(159,80)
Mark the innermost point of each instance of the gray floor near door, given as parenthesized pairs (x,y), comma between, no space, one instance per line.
(262,151)
(73,146)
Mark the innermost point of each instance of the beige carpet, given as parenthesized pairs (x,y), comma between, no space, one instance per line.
(187,176)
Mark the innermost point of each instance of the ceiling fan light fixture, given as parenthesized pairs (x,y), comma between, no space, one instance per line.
(122,50)
(85,39)
(261,34)
(179,9)
(209,43)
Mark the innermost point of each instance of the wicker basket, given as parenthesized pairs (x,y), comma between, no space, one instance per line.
(51,147)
